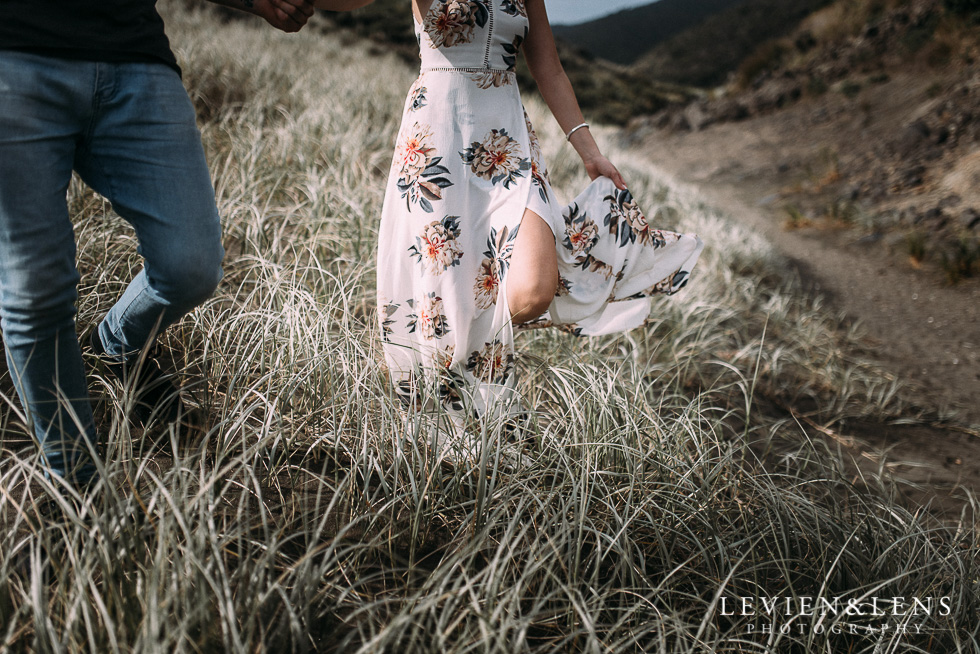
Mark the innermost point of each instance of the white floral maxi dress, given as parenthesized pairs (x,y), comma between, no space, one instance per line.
(466,166)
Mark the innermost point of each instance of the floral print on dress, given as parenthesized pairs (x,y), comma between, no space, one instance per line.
(487,284)
(422,176)
(438,248)
(626,222)
(451,388)
(498,158)
(386,313)
(534,143)
(667,286)
(581,232)
(450,23)
(500,246)
(492,79)
(510,51)
(443,358)
(539,177)
(496,261)
(417,96)
(514,7)
(581,235)
(564,287)
(429,319)
(492,363)
(598,266)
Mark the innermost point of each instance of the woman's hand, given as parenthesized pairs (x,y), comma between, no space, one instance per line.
(602,167)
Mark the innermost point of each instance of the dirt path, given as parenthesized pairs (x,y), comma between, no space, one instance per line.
(925,330)
(922,330)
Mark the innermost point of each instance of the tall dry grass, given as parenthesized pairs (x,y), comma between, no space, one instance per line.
(666,477)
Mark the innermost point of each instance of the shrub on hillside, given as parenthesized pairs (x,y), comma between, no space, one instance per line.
(964,7)
(768,56)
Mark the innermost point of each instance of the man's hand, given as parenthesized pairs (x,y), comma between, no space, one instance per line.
(287,15)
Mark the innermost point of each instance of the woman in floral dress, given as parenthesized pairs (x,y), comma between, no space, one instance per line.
(473,241)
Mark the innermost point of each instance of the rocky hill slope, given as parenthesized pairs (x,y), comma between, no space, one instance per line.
(871,112)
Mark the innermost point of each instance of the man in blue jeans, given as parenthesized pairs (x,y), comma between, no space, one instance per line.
(92,86)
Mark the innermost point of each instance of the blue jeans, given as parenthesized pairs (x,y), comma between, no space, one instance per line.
(129,131)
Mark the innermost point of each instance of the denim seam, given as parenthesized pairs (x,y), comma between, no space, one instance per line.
(97,162)
(96,103)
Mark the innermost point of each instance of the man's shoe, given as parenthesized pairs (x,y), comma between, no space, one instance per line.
(155,393)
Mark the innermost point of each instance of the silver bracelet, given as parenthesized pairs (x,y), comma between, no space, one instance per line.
(568,137)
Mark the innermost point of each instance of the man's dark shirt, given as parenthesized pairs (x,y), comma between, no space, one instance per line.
(91,30)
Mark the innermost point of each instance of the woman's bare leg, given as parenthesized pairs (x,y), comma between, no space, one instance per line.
(533,275)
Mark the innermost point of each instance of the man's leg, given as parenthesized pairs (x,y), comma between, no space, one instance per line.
(43,102)
(145,156)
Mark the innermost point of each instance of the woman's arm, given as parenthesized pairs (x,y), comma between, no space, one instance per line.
(542,58)
(287,15)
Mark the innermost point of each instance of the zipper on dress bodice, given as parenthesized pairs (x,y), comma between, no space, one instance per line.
(486,57)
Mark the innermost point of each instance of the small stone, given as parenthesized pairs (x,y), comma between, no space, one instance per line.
(661,119)
(697,118)
(679,123)
(870,239)
(970,218)
(951,200)
(913,176)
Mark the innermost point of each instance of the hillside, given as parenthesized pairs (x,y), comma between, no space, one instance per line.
(705,54)
(854,143)
(871,108)
(688,43)
(626,35)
